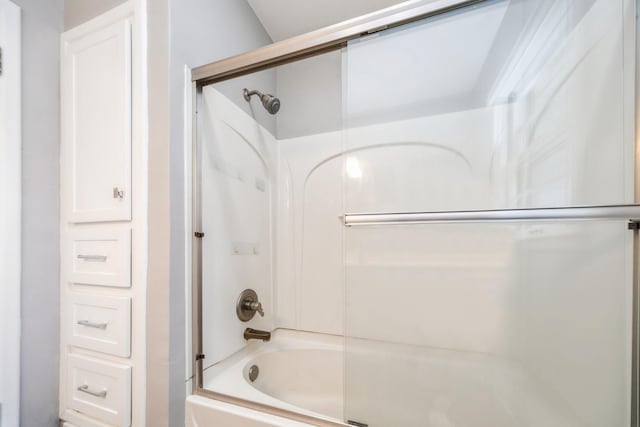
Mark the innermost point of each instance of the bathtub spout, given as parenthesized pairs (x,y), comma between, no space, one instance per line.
(254,334)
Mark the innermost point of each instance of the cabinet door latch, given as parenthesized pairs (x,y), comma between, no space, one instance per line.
(118,193)
(634,225)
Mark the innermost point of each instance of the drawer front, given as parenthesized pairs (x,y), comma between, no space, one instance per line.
(99,389)
(76,419)
(100,323)
(101,257)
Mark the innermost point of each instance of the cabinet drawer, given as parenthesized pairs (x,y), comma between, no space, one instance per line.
(100,323)
(99,389)
(101,257)
(76,419)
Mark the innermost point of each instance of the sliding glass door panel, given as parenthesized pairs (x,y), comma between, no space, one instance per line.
(507,104)
(489,324)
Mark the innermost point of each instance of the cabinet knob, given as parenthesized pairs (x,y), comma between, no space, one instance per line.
(118,193)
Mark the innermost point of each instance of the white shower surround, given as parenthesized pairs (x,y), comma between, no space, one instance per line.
(10,211)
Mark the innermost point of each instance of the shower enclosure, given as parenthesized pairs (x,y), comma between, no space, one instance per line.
(426,216)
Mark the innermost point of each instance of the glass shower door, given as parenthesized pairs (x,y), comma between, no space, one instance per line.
(506,105)
(489,325)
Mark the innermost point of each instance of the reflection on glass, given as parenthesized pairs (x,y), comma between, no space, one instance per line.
(511,104)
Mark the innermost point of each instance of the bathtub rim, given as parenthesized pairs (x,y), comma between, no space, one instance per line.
(273,410)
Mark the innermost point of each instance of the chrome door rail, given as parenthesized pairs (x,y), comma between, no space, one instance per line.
(543,214)
(324,40)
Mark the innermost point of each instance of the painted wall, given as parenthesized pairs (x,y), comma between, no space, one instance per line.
(10,212)
(202,31)
(78,11)
(311,98)
(42,24)
(157,319)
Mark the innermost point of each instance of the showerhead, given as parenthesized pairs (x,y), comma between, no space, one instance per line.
(269,102)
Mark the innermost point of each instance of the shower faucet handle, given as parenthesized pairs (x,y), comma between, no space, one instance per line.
(248,305)
(255,306)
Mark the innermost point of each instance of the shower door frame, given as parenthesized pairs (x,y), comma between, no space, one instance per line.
(336,37)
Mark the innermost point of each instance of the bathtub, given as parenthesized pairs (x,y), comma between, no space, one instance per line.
(389,385)
(299,371)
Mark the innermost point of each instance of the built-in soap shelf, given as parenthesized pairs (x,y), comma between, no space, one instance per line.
(245,248)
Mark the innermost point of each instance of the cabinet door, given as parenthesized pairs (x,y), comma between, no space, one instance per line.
(96,123)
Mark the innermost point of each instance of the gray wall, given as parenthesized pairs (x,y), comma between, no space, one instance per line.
(158,315)
(311,94)
(78,11)
(41,28)
(202,31)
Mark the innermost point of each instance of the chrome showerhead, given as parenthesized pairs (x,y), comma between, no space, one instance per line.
(269,102)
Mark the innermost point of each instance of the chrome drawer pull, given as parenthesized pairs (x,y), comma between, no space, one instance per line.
(85,389)
(96,258)
(91,324)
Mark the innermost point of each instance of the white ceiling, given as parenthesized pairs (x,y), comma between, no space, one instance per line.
(287,18)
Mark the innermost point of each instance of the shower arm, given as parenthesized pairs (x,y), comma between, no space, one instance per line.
(249,93)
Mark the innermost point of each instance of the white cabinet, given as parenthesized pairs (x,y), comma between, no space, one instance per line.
(102,227)
(97,124)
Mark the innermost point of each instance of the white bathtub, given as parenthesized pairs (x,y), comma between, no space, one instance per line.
(390,385)
(299,371)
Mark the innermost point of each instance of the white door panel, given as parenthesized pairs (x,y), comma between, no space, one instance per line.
(97,124)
